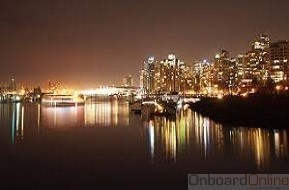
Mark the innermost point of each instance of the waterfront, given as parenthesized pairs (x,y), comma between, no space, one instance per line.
(101,143)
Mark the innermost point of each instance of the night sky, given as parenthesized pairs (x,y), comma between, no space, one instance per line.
(87,43)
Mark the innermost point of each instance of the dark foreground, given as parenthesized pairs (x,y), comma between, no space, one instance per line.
(83,159)
(259,110)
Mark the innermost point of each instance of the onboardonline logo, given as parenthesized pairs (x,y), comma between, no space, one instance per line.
(238,181)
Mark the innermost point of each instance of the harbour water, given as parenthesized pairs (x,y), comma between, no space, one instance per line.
(103,144)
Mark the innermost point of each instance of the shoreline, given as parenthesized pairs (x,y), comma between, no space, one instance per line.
(269,111)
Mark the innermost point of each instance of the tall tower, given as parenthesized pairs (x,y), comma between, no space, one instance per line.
(171,73)
(279,57)
(147,75)
(12,85)
(127,81)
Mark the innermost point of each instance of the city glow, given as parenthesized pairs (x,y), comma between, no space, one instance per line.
(105,90)
(220,96)
(244,94)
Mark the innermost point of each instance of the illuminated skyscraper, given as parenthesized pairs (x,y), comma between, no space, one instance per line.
(226,72)
(171,74)
(261,60)
(12,86)
(147,75)
(127,81)
(279,57)
(253,66)
(167,76)
(262,43)
(203,77)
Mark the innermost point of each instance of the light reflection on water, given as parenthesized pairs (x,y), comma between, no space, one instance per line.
(106,112)
(168,140)
(66,116)
(191,134)
(17,123)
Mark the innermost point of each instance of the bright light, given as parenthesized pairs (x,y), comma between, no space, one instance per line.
(278,87)
(22,92)
(148,102)
(159,108)
(180,102)
(220,96)
(276,61)
(106,90)
(171,57)
(138,97)
(186,106)
(151,59)
(217,56)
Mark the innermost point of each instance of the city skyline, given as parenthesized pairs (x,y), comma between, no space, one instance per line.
(91,43)
(263,60)
(262,68)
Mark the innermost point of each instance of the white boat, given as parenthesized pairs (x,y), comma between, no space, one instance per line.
(62,100)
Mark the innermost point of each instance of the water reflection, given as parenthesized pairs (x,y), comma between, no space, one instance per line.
(192,135)
(17,117)
(17,123)
(65,116)
(106,112)
(11,123)
(188,137)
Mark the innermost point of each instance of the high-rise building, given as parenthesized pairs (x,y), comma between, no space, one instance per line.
(262,43)
(200,78)
(279,57)
(261,60)
(253,66)
(187,78)
(147,75)
(142,79)
(127,81)
(2,87)
(167,76)
(225,76)
(171,74)
(12,85)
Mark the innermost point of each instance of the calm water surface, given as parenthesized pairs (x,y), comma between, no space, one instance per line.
(102,141)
